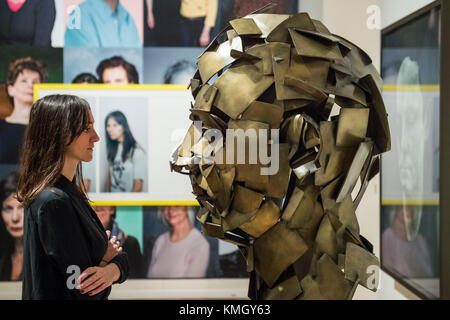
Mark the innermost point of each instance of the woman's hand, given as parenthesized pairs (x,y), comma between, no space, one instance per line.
(204,36)
(151,20)
(113,249)
(96,279)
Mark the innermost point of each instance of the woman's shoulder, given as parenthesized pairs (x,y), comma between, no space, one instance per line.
(198,237)
(48,195)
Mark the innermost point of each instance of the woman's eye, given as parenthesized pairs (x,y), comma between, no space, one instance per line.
(6,209)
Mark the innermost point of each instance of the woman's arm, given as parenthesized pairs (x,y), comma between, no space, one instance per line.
(108,181)
(137,185)
(45,19)
(139,162)
(210,20)
(198,262)
(150,16)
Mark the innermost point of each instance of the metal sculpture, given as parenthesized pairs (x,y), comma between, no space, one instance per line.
(318,98)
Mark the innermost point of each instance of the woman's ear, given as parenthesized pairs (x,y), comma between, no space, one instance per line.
(11,90)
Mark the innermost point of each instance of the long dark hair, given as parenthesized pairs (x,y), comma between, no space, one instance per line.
(8,186)
(129,143)
(55,122)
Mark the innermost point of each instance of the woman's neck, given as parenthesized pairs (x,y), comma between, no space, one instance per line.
(69,168)
(112,4)
(180,231)
(399,228)
(18,245)
(20,114)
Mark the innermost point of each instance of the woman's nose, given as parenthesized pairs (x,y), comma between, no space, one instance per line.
(16,214)
(95,137)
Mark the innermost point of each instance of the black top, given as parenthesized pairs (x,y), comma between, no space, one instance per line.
(131,247)
(6,267)
(62,230)
(31,25)
(11,141)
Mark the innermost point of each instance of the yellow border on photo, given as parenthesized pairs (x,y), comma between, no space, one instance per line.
(101,86)
(390,87)
(145,203)
(410,202)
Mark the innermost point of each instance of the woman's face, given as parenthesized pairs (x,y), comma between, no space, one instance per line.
(12,215)
(22,89)
(114,129)
(82,148)
(175,214)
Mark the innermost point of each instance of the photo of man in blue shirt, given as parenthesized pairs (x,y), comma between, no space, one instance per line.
(101,23)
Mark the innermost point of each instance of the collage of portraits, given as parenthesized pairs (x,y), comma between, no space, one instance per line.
(149,48)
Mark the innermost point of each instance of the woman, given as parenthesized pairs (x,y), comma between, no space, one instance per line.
(27,22)
(62,234)
(11,231)
(22,74)
(182,252)
(127,170)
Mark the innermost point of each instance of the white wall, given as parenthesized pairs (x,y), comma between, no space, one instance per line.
(392,11)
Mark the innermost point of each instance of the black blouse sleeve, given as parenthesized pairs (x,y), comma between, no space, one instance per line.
(62,238)
(121,260)
(45,19)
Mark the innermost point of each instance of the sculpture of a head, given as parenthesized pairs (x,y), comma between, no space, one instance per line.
(303,107)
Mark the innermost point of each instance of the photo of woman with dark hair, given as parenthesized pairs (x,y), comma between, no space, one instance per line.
(85,78)
(62,233)
(11,230)
(22,74)
(27,22)
(126,159)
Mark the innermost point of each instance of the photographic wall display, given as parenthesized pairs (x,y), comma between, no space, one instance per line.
(137,42)
(151,116)
(410,215)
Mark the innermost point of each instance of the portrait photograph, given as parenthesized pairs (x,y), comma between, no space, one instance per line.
(27,23)
(168,65)
(123,131)
(410,215)
(98,65)
(100,24)
(21,68)
(175,247)
(126,224)
(195,24)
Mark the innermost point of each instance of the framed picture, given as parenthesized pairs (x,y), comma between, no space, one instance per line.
(410,172)
(139,127)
